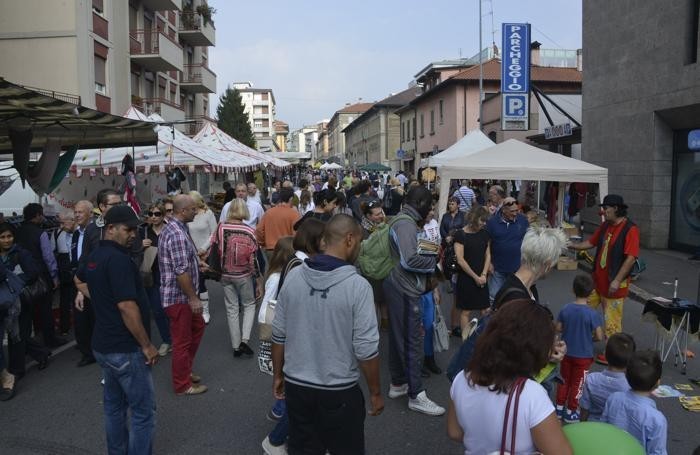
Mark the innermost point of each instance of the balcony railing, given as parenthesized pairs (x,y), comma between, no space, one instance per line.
(195,30)
(144,42)
(154,105)
(67,97)
(192,74)
(196,124)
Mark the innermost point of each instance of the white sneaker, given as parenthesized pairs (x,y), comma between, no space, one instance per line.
(396,391)
(273,450)
(164,349)
(204,297)
(422,403)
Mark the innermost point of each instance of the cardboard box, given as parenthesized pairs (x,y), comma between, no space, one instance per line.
(567,263)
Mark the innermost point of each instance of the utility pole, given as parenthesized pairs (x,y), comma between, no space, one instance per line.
(481,75)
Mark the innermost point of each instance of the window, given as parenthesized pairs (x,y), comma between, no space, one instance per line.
(408,129)
(414,129)
(422,124)
(693,35)
(100,75)
(135,84)
(98,7)
(402,137)
(442,117)
(432,122)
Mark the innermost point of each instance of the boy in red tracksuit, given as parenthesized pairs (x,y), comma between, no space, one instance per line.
(579,325)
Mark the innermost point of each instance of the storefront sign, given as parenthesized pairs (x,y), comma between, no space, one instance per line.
(515,77)
(694,140)
(554,131)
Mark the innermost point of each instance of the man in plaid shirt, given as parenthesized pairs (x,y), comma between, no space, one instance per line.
(179,278)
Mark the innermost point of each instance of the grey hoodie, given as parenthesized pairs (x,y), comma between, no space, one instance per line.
(326,320)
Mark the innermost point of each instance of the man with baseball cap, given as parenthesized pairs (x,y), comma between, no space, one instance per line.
(120,341)
(617,248)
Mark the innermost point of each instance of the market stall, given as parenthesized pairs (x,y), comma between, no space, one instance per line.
(472,142)
(515,160)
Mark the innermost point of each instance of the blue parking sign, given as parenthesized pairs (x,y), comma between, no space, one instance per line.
(515,105)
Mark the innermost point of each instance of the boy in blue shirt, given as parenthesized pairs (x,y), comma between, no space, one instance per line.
(598,386)
(579,325)
(634,411)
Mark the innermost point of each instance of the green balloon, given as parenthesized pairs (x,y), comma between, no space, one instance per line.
(595,438)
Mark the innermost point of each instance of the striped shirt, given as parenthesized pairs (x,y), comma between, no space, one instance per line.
(465,196)
(176,255)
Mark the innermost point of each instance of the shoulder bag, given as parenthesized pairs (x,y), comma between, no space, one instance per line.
(513,397)
(37,290)
(214,258)
(441,337)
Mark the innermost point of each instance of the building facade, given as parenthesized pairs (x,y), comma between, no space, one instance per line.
(259,104)
(112,54)
(341,119)
(375,136)
(322,141)
(641,112)
(281,134)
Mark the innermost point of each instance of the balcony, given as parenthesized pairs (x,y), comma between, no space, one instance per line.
(261,102)
(197,124)
(198,79)
(163,107)
(155,51)
(162,5)
(194,31)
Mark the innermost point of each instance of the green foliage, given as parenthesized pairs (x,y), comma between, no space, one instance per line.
(232,120)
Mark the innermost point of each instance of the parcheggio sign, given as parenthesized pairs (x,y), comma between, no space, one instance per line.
(515,77)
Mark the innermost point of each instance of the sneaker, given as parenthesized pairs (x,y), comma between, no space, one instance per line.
(243,347)
(421,403)
(396,391)
(206,317)
(572,417)
(269,449)
(195,378)
(560,412)
(7,394)
(164,349)
(237,353)
(102,381)
(195,389)
(600,358)
(272,416)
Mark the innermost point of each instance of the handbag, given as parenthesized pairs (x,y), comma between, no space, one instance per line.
(10,290)
(441,338)
(214,258)
(513,397)
(449,260)
(38,289)
(149,257)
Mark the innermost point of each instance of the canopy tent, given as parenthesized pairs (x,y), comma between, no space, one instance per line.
(212,136)
(174,149)
(472,142)
(374,167)
(290,156)
(515,160)
(331,166)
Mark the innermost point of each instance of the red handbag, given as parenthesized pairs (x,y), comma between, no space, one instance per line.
(513,396)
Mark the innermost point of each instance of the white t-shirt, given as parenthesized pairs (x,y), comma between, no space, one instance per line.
(270,292)
(480,413)
(254,209)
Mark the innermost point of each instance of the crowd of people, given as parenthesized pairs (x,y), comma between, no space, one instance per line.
(343,259)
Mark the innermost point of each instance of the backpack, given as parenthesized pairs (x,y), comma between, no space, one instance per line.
(388,197)
(376,260)
(238,251)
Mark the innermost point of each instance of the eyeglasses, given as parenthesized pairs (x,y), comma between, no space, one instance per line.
(168,210)
(154,214)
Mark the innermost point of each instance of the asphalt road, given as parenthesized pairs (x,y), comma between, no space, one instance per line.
(59,410)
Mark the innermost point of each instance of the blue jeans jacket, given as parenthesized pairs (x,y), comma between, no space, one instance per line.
(128,386)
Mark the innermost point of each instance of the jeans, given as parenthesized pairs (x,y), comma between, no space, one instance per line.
(237,292)
(159,314)
(428,302)
(186,330)
(495,283)
(128,387)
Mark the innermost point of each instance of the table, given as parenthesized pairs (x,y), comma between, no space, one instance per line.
(680,320)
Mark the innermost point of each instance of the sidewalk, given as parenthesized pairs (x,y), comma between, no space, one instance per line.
(663,267)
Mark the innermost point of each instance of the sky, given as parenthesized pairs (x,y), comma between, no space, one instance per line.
(318,55)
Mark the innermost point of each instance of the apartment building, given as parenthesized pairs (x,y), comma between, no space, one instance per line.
(259,104)
(341,119)
(111,54)
(304,140)
(322,141)
(375,136)
(281,134)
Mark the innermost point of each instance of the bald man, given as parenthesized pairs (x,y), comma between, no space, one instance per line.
(327,297)
(179,278)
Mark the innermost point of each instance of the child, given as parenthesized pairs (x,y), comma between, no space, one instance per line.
(600,385)
(576,322)
(634,411)
(429,299)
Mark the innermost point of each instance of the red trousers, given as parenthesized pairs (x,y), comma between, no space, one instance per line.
(573,370)
(186,330)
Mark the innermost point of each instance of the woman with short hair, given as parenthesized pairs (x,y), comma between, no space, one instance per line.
(513,348)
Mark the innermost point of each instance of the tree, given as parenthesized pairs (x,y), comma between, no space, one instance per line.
(232,119)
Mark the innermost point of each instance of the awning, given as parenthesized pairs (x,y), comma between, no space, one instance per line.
(22,109)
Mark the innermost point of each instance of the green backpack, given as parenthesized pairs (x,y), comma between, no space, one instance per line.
(376,260)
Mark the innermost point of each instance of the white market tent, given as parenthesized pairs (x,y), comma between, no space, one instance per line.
(212,136)
(472,142)
(331,166)
(516,160)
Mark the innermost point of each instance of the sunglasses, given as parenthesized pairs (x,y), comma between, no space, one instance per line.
(508,204)
(168,210)
(154,214)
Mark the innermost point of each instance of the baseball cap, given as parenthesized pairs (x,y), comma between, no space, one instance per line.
(613,199)
(122,214)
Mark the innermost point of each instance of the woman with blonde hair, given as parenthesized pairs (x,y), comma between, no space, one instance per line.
(394,197)
(237,248)
(201,229)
